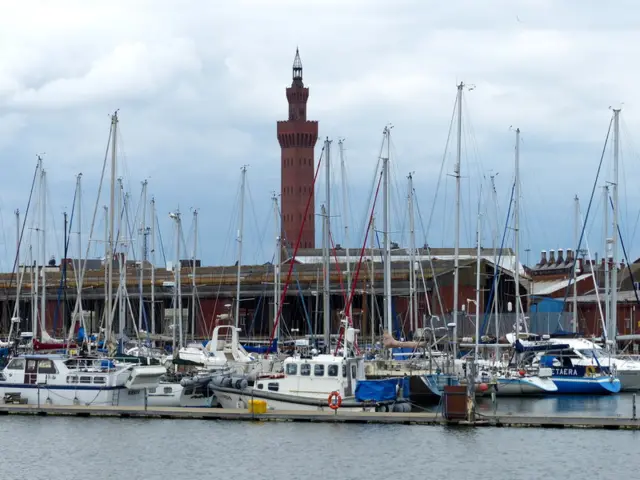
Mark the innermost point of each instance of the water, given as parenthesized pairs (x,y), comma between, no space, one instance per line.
(66,448)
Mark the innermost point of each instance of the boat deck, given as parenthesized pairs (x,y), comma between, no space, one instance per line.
(413,418)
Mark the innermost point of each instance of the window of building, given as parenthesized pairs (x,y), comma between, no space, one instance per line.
(305,370)
(332,370)
(318,370)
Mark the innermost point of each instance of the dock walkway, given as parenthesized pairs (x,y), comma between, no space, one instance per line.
(413,418)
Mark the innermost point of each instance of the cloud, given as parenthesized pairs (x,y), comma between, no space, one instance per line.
(201,84)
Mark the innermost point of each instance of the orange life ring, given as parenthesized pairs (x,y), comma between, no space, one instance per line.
(334,400)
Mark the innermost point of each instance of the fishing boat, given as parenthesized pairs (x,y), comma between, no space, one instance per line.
(311,382)
(61,380)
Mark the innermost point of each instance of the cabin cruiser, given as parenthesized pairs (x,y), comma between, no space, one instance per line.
(311,382)
(61,380)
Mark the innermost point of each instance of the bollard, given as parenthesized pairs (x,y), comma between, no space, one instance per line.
(634,407)
(146,399)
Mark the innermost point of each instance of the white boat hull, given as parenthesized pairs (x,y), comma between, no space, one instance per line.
(67,395)
(241,401)
(525,386)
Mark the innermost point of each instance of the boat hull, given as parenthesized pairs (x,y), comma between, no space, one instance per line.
(525,386)
(588,385)
(74,395)
(234,399)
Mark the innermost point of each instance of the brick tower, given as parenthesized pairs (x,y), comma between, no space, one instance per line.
(297,137)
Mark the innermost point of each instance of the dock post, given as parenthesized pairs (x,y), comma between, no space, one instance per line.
(471,391)
(634,407)
(146,399)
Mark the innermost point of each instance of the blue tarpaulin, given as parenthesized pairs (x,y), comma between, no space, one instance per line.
(381,390)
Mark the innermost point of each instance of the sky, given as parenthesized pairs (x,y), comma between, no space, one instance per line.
(199,86)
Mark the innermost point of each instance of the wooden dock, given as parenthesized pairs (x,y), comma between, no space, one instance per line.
(413,418)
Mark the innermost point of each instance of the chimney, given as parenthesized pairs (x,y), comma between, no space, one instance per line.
(560,259)
(543,258)
(570,258)
(552,257)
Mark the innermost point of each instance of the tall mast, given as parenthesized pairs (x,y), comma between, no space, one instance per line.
(607,244)
(478,265)
(33,292)
(345,216)
(110,245)
(193,275)
(16,308)
(326,215)
(239,240)
(388,315)
(153,265)
(326,303)
(576,239)
(413,317)
(43,304)
(78,266)
(614,235)
(456,253)
(276,268)
(143,234)
(496,320)
(119,242)
(372,234)
(516,228)
(107,310)
(179,281)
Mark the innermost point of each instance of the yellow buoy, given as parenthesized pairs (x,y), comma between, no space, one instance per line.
(257,406)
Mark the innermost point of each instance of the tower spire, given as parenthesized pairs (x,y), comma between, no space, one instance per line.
(297,68)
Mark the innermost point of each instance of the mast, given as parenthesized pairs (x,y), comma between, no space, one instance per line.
(478,265)
(43,248)
(326,216)
(613,329)
(456,253)
(576,239)
(64,276)
(107,311)
(345,215)
(413,317)
(276,268)
(33,293)
(326,305)
(496,284)
(21,274)
(516,228)
(143,232)
(79,262)
(177,293)
(388,315)
(110,246)
(193,274)
(153,265)
(607,244)
(121,265)
(372,234)
(239,240)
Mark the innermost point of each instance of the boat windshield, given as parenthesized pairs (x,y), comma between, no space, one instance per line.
(589,353)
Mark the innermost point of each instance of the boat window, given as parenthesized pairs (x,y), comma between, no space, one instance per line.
(167,390)
(354,371)
(273,386)
(589,353)
(16,364)
(318,370)
(292,369)
(72,379)
(344,371)
(305,369)
(99,380)
(260,386)
(85,379)
(333,370)
(46,366)
(188,391)
(152,390)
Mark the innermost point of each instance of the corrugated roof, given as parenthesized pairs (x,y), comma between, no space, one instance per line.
(550,286)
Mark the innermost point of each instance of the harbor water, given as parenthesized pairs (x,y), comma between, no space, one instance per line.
(105,448)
